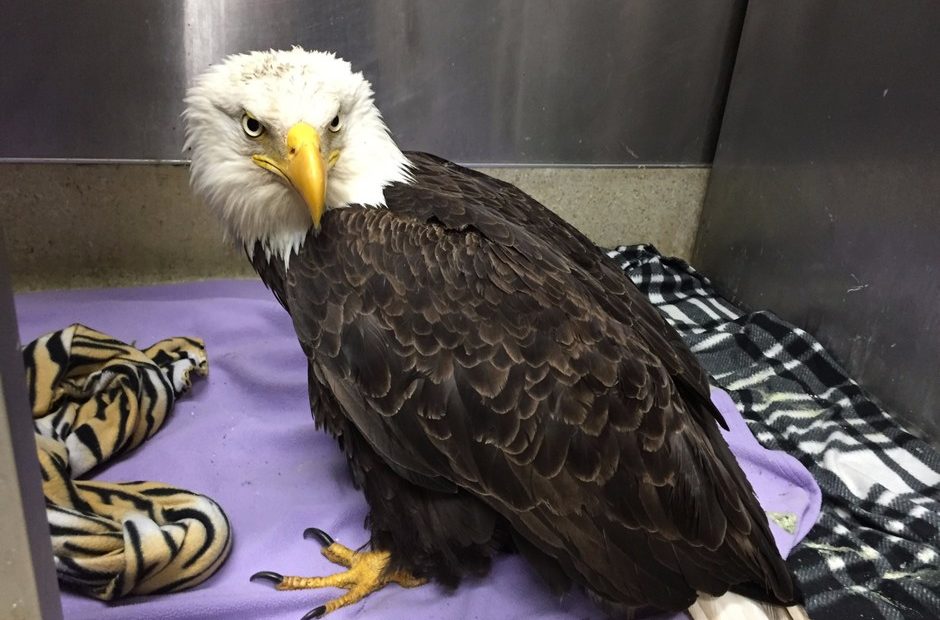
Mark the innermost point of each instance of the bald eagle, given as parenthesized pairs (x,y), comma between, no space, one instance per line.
(496,383)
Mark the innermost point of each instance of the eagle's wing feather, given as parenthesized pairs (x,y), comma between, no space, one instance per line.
(473,338)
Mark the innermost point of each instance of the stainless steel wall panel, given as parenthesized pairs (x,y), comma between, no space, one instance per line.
(824,199)
(480,81)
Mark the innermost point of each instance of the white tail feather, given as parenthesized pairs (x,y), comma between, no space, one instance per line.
(731,606)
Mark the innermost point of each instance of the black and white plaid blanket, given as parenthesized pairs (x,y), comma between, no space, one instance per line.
(875,551)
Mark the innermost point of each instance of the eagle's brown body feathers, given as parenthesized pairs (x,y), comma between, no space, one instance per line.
(496,381)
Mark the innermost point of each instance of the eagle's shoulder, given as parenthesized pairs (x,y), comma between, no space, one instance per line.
(462,199)
(456,195)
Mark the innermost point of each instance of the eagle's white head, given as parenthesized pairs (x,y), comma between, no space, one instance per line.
(277,138)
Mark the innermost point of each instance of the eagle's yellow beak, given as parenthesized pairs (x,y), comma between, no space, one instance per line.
(303,168)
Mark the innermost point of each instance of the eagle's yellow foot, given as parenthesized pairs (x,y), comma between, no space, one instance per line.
(366,575)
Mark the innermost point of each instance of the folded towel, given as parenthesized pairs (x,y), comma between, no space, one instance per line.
(93,399)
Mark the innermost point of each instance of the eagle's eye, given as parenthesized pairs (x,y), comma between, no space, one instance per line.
(335,124)
(251,126)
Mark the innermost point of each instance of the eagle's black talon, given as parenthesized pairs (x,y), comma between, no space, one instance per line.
(324,539)
(317,612)
(267,575)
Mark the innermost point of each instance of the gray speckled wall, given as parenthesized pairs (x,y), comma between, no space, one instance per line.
(84,225)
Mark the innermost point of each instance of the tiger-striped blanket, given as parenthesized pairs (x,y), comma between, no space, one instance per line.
(93,399)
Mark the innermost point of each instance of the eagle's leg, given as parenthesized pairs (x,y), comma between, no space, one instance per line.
(366,574)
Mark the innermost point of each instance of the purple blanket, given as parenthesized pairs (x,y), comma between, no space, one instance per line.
(244,437)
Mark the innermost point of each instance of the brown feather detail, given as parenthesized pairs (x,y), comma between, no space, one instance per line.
(477,346)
